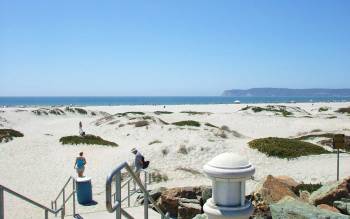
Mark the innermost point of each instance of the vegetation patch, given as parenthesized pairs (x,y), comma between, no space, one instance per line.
(7,135)
(155,142)
(158,177)
(88,139)
(76,110)
(162,112)
(210,125)
(141,123)
(331,117)
(278,110)
(323,109)
(312,136)
(344,110)
(189,170)
(307,187)
(195,113)
(187,123)
(286,148)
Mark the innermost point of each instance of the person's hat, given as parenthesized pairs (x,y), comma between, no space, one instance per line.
(133,150)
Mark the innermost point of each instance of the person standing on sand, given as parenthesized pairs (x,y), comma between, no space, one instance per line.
(79,165)
(81,132)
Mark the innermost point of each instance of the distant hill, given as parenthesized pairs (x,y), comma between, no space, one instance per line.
(285,92)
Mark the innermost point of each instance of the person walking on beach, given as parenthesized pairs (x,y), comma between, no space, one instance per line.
(139,163)
(79,165)
(81,132)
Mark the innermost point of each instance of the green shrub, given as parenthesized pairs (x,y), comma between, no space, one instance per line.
(162,112)
(189,170)
(323,109)
(282,110)
(307,187)
(343,110)
(88,139)
(286,148)
(7,135)
(187,123)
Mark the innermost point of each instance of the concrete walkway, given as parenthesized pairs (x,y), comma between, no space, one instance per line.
(136,212)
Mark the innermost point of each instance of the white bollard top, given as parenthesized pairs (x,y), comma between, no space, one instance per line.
(229,166)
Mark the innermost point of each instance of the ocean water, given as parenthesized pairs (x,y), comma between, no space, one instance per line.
(173,100)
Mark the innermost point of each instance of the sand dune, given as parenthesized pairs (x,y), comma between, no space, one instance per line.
(37,165)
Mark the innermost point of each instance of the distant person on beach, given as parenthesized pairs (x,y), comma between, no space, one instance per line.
(80,164)
(81,132)
(139,162)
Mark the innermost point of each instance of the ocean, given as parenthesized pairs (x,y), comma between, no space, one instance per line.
(160,100)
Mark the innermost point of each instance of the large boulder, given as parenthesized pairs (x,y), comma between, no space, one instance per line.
(329,208)
(290,208)
(188,210)
(173,199)
(289,181)
(274,189)
(155,194)
(343,205)
(331,192)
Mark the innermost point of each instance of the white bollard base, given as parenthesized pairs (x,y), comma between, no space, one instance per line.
(224,212)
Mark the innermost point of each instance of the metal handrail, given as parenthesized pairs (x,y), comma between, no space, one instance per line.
(116,205)
(47,210)
(64,199)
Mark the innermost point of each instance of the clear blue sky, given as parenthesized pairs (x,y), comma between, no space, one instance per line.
(171,47)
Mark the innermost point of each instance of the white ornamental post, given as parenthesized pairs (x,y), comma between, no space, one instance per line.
(228,172)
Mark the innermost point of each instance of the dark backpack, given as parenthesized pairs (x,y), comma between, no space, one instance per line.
(145,163)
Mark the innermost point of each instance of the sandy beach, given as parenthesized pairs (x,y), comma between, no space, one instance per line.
(37,165)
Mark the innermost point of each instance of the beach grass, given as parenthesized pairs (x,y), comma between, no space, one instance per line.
(210,125)
(344,110)
(323,109)
(187,123)
(195,113)
(88,139)
(7,135)
(286,148)
(278,110)
(162,112)
(307,187)
(155,142)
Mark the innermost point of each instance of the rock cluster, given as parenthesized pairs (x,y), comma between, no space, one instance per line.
(278,197)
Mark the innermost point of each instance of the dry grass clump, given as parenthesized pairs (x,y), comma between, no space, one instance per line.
(189,170)
(195,113)
(141,123)
(158,177)
(221,134)
(155,142)
(182,149)
(210,125)
(162,112)
(278,110)
(165,151)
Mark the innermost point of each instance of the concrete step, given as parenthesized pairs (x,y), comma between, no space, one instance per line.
(136,212)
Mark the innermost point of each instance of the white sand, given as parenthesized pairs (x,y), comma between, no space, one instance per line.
(37,165)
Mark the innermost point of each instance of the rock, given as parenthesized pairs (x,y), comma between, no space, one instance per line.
(206,193)
(170,199)
(289,181)
(273,190)
(290,208)
(155,194)
(343,205)
(329,193)
(188,210)
(329,208)
(304,196)
(201,216)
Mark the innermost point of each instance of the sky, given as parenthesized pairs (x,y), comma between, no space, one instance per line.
(171,47)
